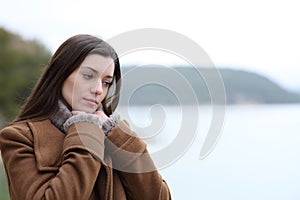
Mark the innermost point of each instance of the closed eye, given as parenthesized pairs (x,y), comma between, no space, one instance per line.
(87,76)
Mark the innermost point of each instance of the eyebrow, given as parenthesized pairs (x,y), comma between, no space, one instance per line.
(91,69)
(107,76)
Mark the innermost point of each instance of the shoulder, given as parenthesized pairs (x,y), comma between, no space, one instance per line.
(27,131)
(16,126)
(15,131)
(39,138)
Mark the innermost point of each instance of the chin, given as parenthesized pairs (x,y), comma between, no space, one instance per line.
(90,111)
(86,110)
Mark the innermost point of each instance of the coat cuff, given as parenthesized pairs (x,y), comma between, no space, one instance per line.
(92,118)
(125,148)
(88,136)
(110,123)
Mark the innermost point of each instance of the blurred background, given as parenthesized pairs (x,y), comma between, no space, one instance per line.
(253,44)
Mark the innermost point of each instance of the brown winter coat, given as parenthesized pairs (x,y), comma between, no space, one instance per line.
(41,162)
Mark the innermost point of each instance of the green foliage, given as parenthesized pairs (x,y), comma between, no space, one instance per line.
(21,62)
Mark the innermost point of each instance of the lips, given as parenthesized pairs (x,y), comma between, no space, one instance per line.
(92,101)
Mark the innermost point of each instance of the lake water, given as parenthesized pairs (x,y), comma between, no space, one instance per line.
(256,157)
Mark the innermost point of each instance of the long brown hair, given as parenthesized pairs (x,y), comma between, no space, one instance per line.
(43,100)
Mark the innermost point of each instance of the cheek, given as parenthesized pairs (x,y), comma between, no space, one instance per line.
(67,90)
(104,94)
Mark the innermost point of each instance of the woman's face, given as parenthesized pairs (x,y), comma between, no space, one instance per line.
(88,85)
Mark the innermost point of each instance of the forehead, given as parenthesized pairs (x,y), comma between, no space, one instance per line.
(99,63)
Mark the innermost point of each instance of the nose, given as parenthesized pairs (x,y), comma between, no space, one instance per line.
(97,89)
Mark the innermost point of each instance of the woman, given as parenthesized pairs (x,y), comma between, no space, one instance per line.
(67,143)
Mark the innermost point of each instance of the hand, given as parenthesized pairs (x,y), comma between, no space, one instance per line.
(101,115)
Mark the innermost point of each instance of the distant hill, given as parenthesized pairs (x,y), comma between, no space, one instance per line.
(22,61)
(240,86)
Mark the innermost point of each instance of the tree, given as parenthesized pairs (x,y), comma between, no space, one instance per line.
(21,63)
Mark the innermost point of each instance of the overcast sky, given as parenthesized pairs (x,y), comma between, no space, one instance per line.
(257,35)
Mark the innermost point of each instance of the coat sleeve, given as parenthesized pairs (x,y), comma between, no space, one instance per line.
(73,179)
(134,165)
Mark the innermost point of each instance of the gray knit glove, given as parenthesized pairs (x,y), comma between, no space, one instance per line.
(106,126)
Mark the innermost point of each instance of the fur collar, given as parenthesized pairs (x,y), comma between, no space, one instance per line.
(60,116)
